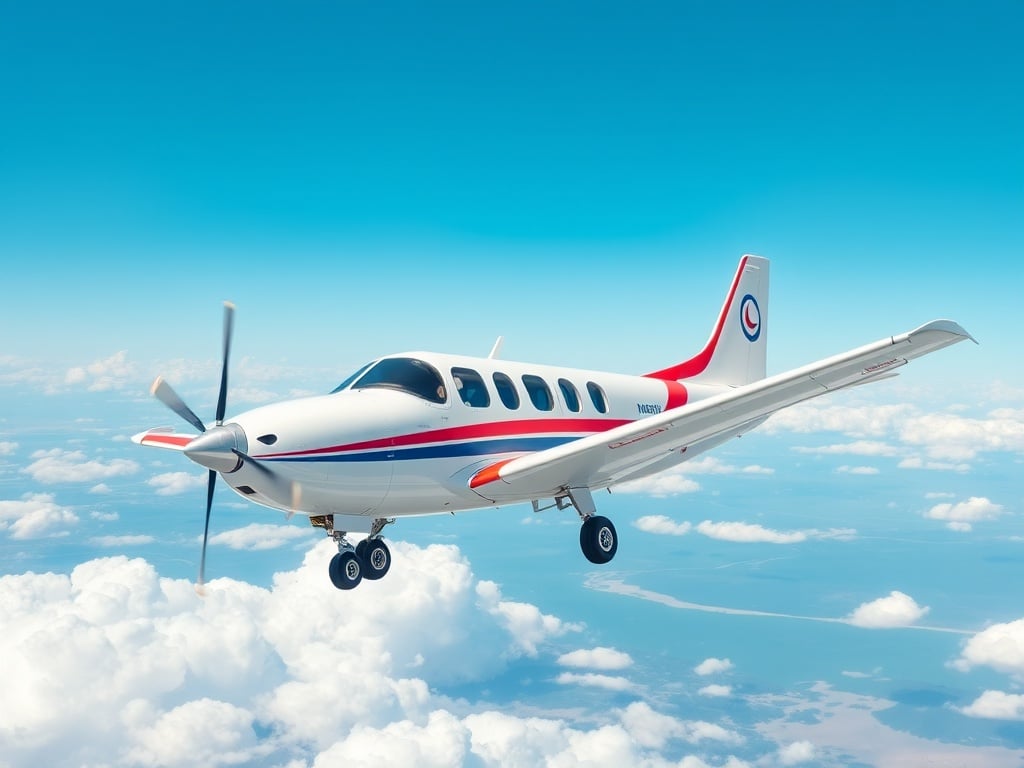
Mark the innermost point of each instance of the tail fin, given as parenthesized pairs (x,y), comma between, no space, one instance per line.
(735,353)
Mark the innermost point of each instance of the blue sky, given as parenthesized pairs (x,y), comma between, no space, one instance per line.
(367,178)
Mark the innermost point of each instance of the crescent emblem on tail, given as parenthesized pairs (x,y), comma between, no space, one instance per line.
(750,318)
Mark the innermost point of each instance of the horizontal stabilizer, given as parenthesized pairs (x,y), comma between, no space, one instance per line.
(163,437)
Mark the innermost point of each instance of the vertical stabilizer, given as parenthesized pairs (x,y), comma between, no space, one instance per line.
(735,353)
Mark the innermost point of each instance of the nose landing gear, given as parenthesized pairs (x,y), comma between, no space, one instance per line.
(370,559)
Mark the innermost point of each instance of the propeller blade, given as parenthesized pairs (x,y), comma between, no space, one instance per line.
(206,531)
(292,490)
(222,398)
(163,392)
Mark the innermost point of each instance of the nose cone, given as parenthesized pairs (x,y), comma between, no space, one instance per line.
(215,448)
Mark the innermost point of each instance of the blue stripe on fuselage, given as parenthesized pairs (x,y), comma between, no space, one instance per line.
(475,448)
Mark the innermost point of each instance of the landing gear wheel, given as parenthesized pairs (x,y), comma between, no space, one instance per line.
(598,539)
(361,549)
(346,570)
(376,559)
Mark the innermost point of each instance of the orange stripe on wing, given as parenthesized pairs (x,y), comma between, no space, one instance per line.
(488,474)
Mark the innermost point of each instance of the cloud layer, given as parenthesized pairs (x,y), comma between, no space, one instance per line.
(298,673)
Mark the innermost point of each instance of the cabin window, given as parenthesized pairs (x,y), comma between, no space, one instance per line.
(470,388)
(405,374)
(597,397)
(351,378)
(572,397)
(539,392)
(506,391)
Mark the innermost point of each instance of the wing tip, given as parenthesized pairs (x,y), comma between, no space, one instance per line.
(948,327)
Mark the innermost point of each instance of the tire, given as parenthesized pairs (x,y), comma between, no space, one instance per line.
(598,539)
(346,570)
(360,549)
(376,559)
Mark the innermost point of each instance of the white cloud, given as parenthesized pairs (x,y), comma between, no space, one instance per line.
(712,465)
(996,705)
(716,691)
(60,466)
(662,524)
(596,658)
(668,483)
(627,739)
(260,536)
(797,752)
(857,421)
(524,621)
(959,527)
(7,448)
(653,729)
(713,666)
(34,516)
(895,610)
(855,675)
(1000,646)
(106,517)
(975,509)
(113,372)
(121,541)
(113,664)
(100,489)
(594,680)
(916,462)
(748,532)
(856,448)
(958,438)
(201,732)
(675,481)
(947,439)
(848,470)
(438,743)
(174,483)
(936,495)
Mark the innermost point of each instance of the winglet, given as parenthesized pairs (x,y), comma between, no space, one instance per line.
(943,326)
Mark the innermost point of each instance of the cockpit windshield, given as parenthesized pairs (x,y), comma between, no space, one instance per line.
(407,375)
(350,379)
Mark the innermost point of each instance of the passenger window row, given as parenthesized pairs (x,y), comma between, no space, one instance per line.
(473,392)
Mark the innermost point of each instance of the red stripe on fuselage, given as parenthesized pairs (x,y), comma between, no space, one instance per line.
(698,363)
(471,432)
(677,394)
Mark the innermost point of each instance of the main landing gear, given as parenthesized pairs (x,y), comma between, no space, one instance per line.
(369,559)
(598,538)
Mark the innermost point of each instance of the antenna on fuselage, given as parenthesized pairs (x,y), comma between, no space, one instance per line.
(496,349)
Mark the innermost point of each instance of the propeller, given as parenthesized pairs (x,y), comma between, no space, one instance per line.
(166,395)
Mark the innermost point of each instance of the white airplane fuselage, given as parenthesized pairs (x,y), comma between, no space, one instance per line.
(381,452)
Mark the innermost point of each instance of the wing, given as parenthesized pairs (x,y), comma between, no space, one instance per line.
(600,460)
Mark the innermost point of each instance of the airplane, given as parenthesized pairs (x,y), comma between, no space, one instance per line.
(422,433)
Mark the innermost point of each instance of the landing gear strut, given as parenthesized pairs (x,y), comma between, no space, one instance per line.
(370,559)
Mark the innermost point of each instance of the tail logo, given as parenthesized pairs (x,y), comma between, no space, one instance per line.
(750,318)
